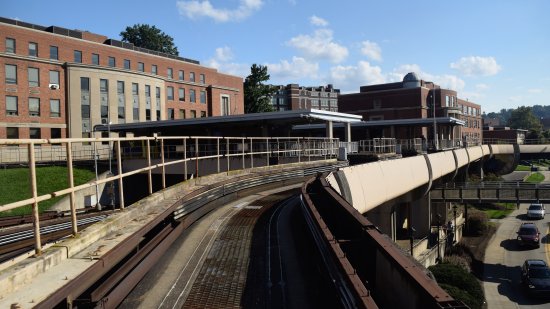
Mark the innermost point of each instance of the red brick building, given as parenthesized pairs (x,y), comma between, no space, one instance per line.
(412,100)
(294,97)
(61,83)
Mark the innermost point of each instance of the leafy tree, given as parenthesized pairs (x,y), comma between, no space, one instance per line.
(257,95)
(150,37)
(523,118)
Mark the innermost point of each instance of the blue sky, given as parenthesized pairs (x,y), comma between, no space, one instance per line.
(493,52)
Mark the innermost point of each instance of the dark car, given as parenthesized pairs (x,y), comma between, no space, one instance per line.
(535,277)
(529,234)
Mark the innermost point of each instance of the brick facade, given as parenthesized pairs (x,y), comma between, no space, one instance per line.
(215,85)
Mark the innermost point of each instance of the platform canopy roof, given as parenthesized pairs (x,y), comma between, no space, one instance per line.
(257,124)
(391,122)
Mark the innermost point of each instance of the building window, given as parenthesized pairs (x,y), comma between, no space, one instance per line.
(34,133)
(225,105)
(202,79)
(10,45)
(203,114)
(141,67)
(170,73)
(157,103)
(104,100)
(203,97)
(192,76)
(154,69)
(121,102)
(182,114)
(192,96)
(170,93)
(12,133)
(135,94)
(54,77)
(376,103)
(112,62)
(181,94)
(193,114)
(85,105)
(170,113)
(181,75)
(11,106)
(127,64)
(11,74)
(55,133)
(55,108)
(54,53)
(77,56)
(147,102)
(34,80)
(33,49)
(95,59)
(34,107)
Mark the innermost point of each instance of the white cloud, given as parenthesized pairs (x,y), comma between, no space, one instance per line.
(476,66)
(534,90)
(196,9)
(224,53)
(482,87)
(319,46)
(221,62)
(298,68)
(318,21)
(349,78)
(516,98)
(371,50)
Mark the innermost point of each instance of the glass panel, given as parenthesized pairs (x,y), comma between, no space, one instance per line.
(55,108)
(34,107)
(181,94)
(77,56)
(112,62)
(192,95)
(33,49)
(126,64)
(11,106)
(11,74)
(54,77)
(34,132)
(10,45)
(54,53)
(95,59)
(33,77)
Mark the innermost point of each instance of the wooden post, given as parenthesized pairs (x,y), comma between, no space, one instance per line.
(74,223)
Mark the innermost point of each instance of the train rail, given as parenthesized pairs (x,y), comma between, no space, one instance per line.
(18,240)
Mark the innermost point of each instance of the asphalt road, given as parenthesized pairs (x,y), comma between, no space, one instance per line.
(504,258)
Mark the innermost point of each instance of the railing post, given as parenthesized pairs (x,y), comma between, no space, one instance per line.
(162,162)
(218,152)
(120,182)
(74,224)
(278,150)
(34,192)
(242,155)
(185,158)
(267,150)
(251,153)
(197,157)
(299,146)
(227,153)
(149,172)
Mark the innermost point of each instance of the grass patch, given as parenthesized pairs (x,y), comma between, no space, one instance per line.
(496,210)
(523,168)
(15,185)
(535,177)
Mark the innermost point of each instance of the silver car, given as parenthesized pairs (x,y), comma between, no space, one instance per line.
(536,211)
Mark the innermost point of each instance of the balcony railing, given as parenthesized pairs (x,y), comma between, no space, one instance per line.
(224,153)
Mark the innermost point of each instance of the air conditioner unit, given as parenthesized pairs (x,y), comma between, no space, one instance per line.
(53,86)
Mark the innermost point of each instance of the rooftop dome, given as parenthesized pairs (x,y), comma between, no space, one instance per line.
(410,77)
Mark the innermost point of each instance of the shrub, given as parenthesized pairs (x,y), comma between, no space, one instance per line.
(456,276)
(458,260)
(459,294)
(477,222)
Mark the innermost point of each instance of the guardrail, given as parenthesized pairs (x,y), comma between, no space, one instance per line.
(180,149)
(513,192)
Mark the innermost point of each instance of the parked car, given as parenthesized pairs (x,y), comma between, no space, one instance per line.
(535,277)
(536,211)
(528,234)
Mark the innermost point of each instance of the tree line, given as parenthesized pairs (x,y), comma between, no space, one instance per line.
(524,117)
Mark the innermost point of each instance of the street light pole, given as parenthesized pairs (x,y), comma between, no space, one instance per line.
(438,227)
(454,214)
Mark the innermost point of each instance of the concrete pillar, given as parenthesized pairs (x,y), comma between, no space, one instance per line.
(329,129)
(392,131)
(348,132)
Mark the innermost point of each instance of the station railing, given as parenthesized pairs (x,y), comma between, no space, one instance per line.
(166,151)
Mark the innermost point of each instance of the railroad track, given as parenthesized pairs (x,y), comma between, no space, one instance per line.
(18,240)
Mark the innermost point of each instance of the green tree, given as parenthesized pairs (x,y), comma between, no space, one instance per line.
(257,95)
(150,37)
(523,118)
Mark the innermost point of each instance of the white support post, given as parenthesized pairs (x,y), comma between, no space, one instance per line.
(34,192)
(120,182)
(162,162)
(149,172)
(74,224)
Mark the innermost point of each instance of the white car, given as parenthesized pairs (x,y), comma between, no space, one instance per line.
(536,211)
